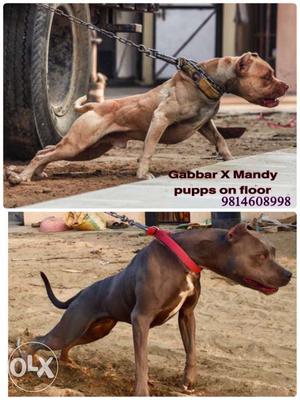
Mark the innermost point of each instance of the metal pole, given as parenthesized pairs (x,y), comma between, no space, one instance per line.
(268,31)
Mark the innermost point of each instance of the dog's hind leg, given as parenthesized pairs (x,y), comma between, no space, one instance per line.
(92,152)
(35,167)
(211,133)
(79,324)
(79,144)
(97,330)
(46,149)
(40,161)
(39,170)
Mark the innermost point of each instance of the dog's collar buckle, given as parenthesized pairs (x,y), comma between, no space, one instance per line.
(208,86)
(165,238)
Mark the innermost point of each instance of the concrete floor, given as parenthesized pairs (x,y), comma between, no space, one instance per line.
(158,193)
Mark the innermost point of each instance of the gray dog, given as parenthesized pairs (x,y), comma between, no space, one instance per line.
(155,286)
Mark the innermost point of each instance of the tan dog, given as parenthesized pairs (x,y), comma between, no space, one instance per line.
(95,92)
(169,113)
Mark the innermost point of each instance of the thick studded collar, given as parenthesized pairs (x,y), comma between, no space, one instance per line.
(203,81)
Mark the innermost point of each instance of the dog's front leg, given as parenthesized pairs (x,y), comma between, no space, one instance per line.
(210,131)
(187,326)
(140,328)
(158,125)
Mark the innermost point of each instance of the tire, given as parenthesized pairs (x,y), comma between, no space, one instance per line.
(46,68)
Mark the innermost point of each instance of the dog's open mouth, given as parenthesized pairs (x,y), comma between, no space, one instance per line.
(268,102)
(261,288)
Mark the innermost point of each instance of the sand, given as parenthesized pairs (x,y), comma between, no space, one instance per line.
(246,342)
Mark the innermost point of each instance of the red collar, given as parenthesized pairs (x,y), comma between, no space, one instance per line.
(165,238)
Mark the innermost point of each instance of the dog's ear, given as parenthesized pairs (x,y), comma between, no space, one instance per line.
(243,63)
(236,232)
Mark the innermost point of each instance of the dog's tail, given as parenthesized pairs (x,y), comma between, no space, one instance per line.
(51,295)
(82,106)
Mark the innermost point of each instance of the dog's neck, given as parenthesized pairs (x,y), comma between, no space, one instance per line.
(207,248)
(223,71)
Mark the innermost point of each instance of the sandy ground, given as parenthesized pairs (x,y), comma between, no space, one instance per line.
(246,342)
(118,166)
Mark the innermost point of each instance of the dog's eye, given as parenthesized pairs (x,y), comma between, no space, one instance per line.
(269,76)
(266,77)
(262,257)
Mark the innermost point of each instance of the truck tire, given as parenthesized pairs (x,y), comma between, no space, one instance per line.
(46,68)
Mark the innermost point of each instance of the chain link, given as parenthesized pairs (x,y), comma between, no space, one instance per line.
(147,51)
(125,219)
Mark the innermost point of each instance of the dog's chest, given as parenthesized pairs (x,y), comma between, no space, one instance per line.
(197,117)
(183,295)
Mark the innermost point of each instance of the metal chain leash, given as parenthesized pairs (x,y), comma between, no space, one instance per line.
(147,51)
(127,220)
(179,62)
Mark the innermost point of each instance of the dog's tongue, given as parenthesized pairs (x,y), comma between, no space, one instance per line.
(267,290)
(270,102)
(257,286)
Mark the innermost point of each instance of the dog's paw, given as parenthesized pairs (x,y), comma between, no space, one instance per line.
(188,389)
(69,363)
(12,177)
(227,157)
(224,156)
(147,176)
